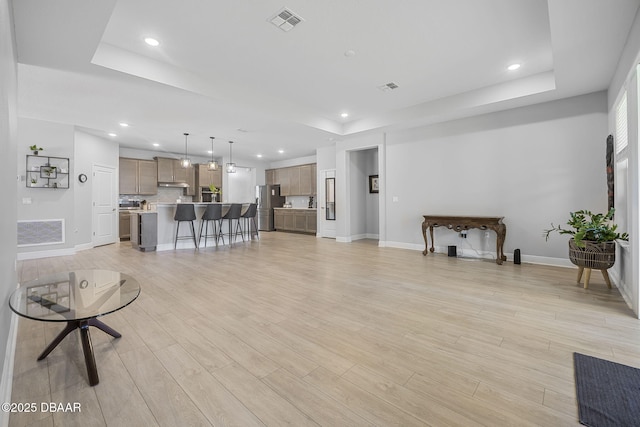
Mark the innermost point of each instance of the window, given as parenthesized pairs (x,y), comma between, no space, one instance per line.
(621,124)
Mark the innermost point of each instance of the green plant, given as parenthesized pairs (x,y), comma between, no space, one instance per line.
(35,148)
(587,226)
(214,189)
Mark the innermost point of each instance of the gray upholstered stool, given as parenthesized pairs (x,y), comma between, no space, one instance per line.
(213,213)
(250,215)
(234,213)
(185,212)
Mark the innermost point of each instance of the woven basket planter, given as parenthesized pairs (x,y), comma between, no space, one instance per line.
(595,255)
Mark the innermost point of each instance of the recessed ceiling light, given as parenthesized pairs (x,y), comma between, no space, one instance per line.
(124,125)
(151,41)
(209,152)
(513,67)
(349,53)
(344,115)
(112,134)
(155,144)
(259,155)
(280,151)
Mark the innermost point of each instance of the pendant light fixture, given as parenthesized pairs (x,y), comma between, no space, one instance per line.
(212,165)
(185,162)
(231,167)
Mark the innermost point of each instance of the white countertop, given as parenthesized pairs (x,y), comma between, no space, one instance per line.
(298,209)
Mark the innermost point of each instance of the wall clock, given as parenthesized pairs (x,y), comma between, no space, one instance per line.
(82,177)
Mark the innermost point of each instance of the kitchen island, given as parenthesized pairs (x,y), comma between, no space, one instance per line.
(167,226)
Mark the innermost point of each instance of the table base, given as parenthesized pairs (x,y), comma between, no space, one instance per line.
(87,347)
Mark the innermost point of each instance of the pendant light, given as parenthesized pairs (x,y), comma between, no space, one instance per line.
(231,167)
(212,165)
(186,161)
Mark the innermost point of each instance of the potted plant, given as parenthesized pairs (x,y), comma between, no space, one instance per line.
(594,236)
(216,192)
(35,149)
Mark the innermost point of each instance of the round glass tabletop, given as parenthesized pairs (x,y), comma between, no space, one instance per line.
(75,295)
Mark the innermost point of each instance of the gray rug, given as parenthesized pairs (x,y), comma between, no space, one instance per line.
(608,392)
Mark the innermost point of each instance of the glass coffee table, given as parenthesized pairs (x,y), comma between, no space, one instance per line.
(77,298)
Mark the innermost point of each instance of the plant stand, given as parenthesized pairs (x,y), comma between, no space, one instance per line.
(587,276)
(597,256)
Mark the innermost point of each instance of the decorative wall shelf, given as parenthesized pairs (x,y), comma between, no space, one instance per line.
(47,172)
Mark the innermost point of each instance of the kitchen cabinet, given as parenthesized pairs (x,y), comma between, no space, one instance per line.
(297,220)
(306,188)
(283,180)
(165,169)
(294,180)
(170,170)
(138,176)
(205,177)
(144,231)
(270,177)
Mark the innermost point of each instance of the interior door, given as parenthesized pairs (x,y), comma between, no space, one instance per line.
(327,203)
(105,197)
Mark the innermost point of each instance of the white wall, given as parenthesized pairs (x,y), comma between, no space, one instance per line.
(89,150)
(293,162)
(8,191)
(532,165)
(57,140)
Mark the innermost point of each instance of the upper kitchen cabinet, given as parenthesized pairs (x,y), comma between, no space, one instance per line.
(270,177)
(205,177)
(295,180)
(171,171)
(138,176)
(165,169)
(306,188)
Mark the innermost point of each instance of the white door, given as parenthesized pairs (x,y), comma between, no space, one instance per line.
(327,203)
(105,213)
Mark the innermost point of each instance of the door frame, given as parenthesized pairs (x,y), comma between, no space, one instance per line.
(323,230)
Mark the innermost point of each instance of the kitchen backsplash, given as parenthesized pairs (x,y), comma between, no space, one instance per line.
(165,195)
(300,201)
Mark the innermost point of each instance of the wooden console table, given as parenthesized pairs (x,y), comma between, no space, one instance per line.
(459,223)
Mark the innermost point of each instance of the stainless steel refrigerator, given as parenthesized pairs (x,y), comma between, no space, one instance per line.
(268,197)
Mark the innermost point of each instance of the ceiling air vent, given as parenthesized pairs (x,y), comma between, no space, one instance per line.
(388,86)
(285,19)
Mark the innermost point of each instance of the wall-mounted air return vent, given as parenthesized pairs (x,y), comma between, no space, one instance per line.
(40,232)
(285,19)
(388,86)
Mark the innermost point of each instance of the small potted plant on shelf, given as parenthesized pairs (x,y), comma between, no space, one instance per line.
(593,238)
(35,149)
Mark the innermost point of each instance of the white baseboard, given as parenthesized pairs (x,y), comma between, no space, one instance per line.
(6,382)
(467,253)
(84,246)
(45,254)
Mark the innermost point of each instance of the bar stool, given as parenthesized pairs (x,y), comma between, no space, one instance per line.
(234,213)
(213,213)
(185,212)
(248,216)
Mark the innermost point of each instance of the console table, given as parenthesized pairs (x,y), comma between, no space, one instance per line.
(459,223)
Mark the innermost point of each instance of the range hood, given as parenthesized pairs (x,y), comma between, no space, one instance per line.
(173,184)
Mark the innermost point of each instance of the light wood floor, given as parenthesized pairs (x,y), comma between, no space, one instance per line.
(303,331)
